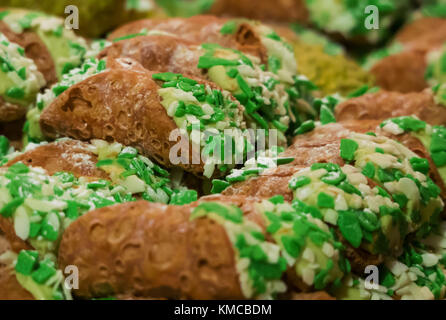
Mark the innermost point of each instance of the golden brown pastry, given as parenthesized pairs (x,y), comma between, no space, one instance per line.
(384,104)
(199,29)
(405,71)
(169,256)
(402,72)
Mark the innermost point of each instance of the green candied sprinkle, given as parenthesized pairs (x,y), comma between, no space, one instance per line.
(48,231)
(130,36)
(15,93)
(18,168)
(102,65)
(206,62)
(268,270)
(330,167)
(350,227)
(229,27)
(334,177)
(325,201)
(305,127)
(358,92)
(388,280)
(258,235)
(98,184)
(419,164)
(439,158)
(4,146)
(277,199)
(401,199)
(438,141)
(298,182)
(273,35)
(65,177)
(293,93)
(161,171)
(244,86)
(166,76)
(184,197)
(22,73)
(382,192)
(283,160)
(279,125)
(34,229)
(273,227)
(194,110)
(385,175)
(181,110)
(72,211)
(67,67)
(26,262)
(319,237)
(260,120)
(292,245)
(219,186)
(58,32)
(349,188)
(105,162)
(271,83)
(326,115)
(59,89)
(408,123)
(274,64)
(371,134)
(227,212)
(369,170)
(233,72)
(3,14)
(305,208)
(368,221)
(344,264)
(379,150)
(320,280)
(9,208)
(348,148)
(45,271)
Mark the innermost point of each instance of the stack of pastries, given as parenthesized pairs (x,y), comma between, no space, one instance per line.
(93,173)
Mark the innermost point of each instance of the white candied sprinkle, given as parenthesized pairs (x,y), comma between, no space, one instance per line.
(328,249)
(396,267)
(21,223)
(429,259)
(340,203)
(392,128)
(331,216)
(308,276)
(308,255)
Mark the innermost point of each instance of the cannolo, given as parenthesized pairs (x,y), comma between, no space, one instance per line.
(272,99)
(128,104)
(216,248)
(326,153)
